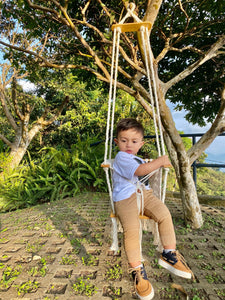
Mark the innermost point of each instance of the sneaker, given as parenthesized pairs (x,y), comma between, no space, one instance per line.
(143,287)
(174,262)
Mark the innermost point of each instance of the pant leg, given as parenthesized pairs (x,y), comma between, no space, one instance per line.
(127,212)
(158,211)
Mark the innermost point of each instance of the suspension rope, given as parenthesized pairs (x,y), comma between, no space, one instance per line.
(117,29)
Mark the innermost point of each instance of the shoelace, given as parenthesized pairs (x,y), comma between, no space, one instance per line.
(180,256)
(136,276)
(139,273)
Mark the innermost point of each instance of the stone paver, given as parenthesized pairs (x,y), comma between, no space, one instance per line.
(52,246)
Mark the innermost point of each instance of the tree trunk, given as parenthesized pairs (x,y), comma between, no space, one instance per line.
(16,156)
(191,207)
(182,166)
(20,146)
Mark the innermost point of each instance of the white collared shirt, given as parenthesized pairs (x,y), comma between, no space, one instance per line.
(124,180)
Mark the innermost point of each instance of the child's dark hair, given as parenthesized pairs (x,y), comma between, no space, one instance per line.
(129,123)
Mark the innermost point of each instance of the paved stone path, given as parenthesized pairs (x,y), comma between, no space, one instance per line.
(61,251)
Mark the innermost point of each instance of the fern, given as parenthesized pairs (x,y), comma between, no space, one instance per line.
(57,175)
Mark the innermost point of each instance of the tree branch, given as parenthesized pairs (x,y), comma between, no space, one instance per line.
(5,140)
(14,100)
(6,110)
(41,121)
(213,52)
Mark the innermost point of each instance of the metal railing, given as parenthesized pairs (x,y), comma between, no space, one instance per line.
(201,165)
(196,165)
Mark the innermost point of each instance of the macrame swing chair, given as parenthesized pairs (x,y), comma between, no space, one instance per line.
(158,178)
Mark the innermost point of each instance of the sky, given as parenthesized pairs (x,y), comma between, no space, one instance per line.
(215,152)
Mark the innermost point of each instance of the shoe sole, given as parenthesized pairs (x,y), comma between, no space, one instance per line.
(173,270)
(148,297)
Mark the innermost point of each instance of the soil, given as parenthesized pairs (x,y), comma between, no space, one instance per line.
(60,250)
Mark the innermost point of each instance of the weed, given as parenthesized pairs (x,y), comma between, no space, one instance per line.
(83,287)
(34,247)
(3,240)
(199,256)
(112,292)
(168,293)
(114,273)
(39,270)
(151,252)
(9,275)
(27,287)
(155,264)
(77,245)
(183,230)
(3,230)
(204,240)
(49,227)
(68,260)
(90,260)
(220,293)
(218,255)
(196,294)
(205,266)
(214,278)
(209,222)
(3,257)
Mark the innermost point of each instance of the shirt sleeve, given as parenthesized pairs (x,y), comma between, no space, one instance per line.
(125,165)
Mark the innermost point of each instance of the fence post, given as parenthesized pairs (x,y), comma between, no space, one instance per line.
(194,164)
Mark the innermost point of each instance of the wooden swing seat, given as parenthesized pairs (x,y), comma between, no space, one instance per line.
(129,27)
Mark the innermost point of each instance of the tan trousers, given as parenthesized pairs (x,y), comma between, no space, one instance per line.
(127,212)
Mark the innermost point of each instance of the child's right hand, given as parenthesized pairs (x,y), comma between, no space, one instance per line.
(165,161)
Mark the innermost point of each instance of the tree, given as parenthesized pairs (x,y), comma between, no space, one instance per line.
(26,114)
(187,41)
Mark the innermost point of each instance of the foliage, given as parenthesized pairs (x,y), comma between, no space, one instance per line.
(86,116)
(182,32)
(62,173)
(57,175)
(210,182)
(199,94)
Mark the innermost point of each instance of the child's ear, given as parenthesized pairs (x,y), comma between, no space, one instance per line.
(116,141)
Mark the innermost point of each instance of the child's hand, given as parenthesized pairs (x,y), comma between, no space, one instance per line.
(166,162)
(144,169)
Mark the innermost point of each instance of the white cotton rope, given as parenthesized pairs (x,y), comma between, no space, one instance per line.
(110,97)
(155,103)
(118,30)
(147,61)
(111,113)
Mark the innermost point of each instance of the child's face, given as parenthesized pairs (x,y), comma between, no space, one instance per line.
(130,141)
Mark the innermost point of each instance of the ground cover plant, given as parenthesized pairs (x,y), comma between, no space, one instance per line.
(56,175)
